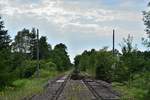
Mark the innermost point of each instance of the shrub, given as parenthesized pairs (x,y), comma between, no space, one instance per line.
(19,83)
(5,68)
(27,69)
(147,96)
(104,62)
(50,66)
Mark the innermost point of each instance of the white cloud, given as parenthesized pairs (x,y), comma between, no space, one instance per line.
(57,12)
(71,18)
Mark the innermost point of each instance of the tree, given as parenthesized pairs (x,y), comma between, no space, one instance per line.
(146,19)
(5,56)
(60,57)
(33,44)
(96,63)
(45,48)
(127,45)
(4,37)
(103,63)
(22,42)
(130,61)
(76,63)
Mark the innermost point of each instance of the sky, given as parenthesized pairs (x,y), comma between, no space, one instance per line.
(80,24)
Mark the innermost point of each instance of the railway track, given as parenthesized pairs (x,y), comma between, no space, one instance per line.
(57,88)
(101,90)
(59,91)
(52,89)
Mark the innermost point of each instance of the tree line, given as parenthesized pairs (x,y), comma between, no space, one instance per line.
(121,66)
(126,66)
(18,56)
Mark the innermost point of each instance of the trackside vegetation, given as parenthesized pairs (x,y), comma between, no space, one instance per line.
(18,64)
(128,70)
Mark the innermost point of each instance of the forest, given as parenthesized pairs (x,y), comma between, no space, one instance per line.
(127,70)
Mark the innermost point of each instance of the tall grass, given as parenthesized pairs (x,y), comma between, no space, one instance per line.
(27,87)
(138,89)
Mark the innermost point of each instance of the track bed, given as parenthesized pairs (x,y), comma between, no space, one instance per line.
(76,90)
(101,90)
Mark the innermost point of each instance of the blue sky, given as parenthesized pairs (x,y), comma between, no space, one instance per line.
(80,24)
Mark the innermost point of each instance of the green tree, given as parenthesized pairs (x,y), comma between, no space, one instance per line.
(76,63)
(130,61)
(33,44)
(96,63)
(5,56)
(104,62)
(146,19)
(45,48)
(60,57)
(4,37)
(22,42)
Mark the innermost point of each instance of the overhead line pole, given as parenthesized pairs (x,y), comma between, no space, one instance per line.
(38,63)
(113,42)
(113,51)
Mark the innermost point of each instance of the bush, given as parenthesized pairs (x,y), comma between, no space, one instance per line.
(104,62)
(19,83)
(46,73)
(142,80)
(5,68)
(147,96)
(50,66)
(27,69)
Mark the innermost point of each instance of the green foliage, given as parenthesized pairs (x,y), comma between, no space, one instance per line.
(5,56)
(33,44)
(147,95)
(98,63)
(4,37)
(138,89)
(142,80)
(131,93)
(26,70)
(19,60)
(21,42)
(130,62)
(29,69)
(27,87)
(50,66)
(25,42)
(146,19)
(60,57)
(76,63)
(19,83)
(44,73)
(104,62)
(44,48)
(6,75)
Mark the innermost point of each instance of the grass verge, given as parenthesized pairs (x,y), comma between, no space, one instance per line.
(27,87)
(130,93)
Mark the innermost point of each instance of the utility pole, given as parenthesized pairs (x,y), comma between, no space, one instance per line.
(113,51)
(113,42)
(38,63)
